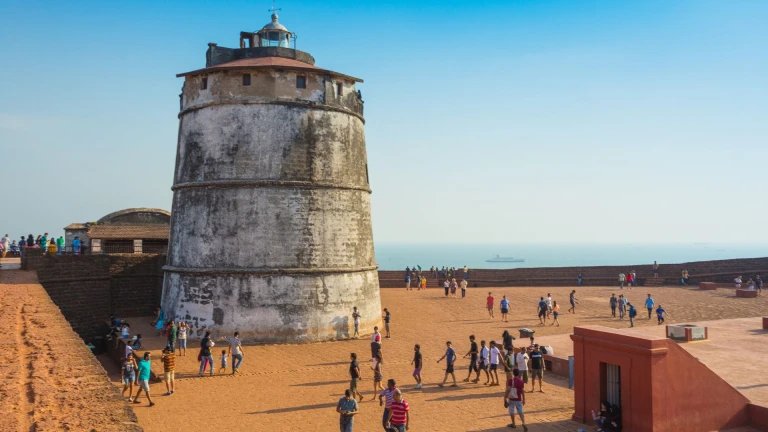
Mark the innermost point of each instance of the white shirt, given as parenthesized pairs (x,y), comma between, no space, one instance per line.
(235,344)
(622,278)
(373,337)
(484,354)
(737,281)
(495,355)
(522,361)
(549,301)
(128,350)
(6,241)
(357,317)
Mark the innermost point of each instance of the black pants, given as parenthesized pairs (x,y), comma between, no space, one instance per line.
(650,311)
(613,311)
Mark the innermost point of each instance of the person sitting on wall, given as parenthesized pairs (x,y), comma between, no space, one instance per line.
(136,343)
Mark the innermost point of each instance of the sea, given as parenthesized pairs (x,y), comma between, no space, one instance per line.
(397,256)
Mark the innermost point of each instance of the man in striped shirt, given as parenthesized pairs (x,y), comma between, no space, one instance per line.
(389,394)
(169,367)
(399,413)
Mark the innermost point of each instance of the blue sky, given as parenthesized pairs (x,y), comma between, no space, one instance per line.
(510,121)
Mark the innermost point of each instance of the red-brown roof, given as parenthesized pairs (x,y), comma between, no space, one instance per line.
(75,226)
(129,232)
(266,63)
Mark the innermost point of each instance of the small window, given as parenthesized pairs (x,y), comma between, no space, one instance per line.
(204,84)
(246,79)
(301,81)
(339,89)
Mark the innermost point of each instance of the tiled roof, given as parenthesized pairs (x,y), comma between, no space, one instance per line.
(129,232)
(265,63)
(75,226)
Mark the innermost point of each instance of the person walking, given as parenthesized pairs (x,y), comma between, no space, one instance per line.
(537,367)
(206,357)
(649,305)
(549,304)
(169,368)
(450,358)
(489,304)
(622,305)
(52,247)
(574,302)
(356,319)
(504,304)
(347,409)
(614,304)
(555,313)
(378,374)
(399,413)
(632,314)
(128,375)
(236,351)
(144,373)
(417,362)
(484,362)
(183,330)
(387,317)
(759,285)
(622,279)
(495,357)
(447,286)
(630,280)
(386,397)
(660,311)
(463,285)
(454,285)
(407,281)
(542,308)
(514,399)
(634,278)
(375,342)
(354,376)
(473,353)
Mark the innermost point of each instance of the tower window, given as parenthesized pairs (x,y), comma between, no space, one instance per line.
(301,81)
(204,84)
(339,89)
(246,79)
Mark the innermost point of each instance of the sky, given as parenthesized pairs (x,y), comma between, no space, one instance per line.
(514,121)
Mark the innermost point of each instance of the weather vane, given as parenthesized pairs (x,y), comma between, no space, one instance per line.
(273,9)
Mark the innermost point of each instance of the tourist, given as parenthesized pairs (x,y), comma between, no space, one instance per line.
(537,367)
(378,373)
(432,272)
(5,246)
(223,361)
(472,353)
(454,285)
(128,375)
(465,276)
(144,373)
(614,304)
(522,364)
(136,345)
(555,314)
(356,319)
(507,341)
(737,282)
(484,363)
(634,278)
(60,245)
(423,282)
(750,284)
(22,245)
(407,281)
(172,335)
(660,311)
(387,318)
(169,366)
(347,409)
(417,363)
(159,321)
(759,285)
(206,357)
(632,314)
(504,304)
(622,305)
(450,358)
(630,280)
(447,286)
(549,304)
(649,305)
(355,375)
(407,271)
(542,308)
(44,241)
(389,396)
(495,360)
(655,270)
(444,273)
(684,277)
(574,302)
(375,342)
(489,304)
(15,250)
(236,349)
(183,330)
(75,245)
(602,419)
(579,280)
(52,247)
(622,279)
(399,413)
(463,285)
(514,398)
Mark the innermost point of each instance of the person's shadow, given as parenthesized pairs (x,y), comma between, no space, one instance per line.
(341,327)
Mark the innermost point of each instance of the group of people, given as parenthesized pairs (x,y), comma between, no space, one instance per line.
(448,272)
(756,284)
(545,308)
(630,279)
(627,309)
(51,245)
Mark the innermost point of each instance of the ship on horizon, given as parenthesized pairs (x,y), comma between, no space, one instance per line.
(498,258)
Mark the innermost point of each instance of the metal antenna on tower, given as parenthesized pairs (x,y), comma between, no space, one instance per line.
(273,9)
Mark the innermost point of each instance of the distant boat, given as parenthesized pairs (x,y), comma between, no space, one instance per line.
(498,258)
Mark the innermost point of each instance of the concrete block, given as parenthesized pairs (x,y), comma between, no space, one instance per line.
(707,286)
(746,293)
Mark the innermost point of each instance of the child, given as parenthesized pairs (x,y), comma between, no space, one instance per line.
(223,361)
(423,282)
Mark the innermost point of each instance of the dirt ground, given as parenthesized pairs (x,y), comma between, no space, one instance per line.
(296,387)
(49,380)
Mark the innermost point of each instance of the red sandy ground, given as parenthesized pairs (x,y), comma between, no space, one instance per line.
(49,380)
(296,387)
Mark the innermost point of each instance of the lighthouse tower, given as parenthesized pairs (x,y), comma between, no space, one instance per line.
(271,223)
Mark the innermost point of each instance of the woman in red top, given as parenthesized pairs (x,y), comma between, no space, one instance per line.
(399,413)
(629,280)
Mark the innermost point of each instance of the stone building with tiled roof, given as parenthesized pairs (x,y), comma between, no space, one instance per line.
(135,230)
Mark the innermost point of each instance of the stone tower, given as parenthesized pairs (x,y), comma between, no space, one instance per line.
(271,224)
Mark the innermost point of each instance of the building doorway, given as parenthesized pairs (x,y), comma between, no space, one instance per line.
(610,388)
